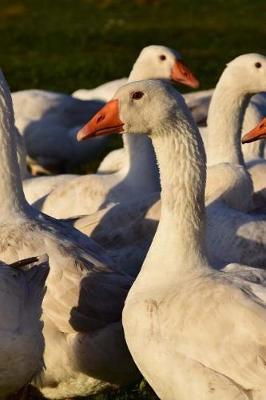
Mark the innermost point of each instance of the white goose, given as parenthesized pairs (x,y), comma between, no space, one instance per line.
(150,64)
(243,77)
(85,350)
(21,340)
(193,332)
(234,233)
(49,122)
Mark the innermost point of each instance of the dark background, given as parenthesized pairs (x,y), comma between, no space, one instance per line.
(62,45)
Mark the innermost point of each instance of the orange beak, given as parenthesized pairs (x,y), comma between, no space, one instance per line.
(181,74)
(105,122)
(259,132)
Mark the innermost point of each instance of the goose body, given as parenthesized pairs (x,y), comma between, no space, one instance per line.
(193,332)
(48,122)
(35,188)
(85,292)
(21,340)
(86,194)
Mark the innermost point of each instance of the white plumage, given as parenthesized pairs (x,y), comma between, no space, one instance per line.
(81,324)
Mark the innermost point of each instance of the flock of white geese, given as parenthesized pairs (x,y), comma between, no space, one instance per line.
(153,266)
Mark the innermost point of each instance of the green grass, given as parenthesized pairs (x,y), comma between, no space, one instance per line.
(62,45)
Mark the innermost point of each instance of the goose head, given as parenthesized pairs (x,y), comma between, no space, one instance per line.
(259,132)
(137,108)
(247,73)
(160,62)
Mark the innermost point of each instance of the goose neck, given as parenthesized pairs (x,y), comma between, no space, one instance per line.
(178,248)
(141,169)
(225,120)
(12,197)
(140,71)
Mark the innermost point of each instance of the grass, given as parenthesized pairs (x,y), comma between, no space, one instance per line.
(62,45)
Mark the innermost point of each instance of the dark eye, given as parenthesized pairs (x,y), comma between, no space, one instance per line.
(162,57)
(137,95)
(257,64)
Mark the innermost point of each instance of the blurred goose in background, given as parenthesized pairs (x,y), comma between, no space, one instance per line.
(21,340)
(243,77)
(85,351)
(185,322)
(235,234)
(139,176)
(49,122)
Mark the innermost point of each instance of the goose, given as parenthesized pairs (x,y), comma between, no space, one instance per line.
(44,118)
(86,194)
(194,332)
(85,351)
(232,95)
(235,233)
(21,340)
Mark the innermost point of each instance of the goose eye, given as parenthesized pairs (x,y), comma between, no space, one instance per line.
(257,64)
(162,57)
(137,95)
